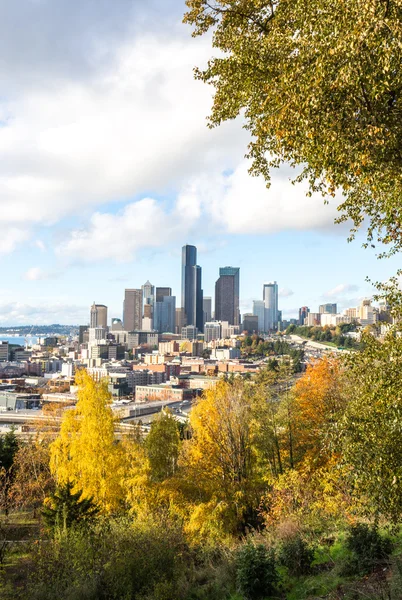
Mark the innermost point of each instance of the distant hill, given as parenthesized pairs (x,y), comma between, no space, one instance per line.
(54,329)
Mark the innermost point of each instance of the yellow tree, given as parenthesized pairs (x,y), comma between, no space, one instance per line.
(221,462)
(86,451)
(315,490)
(319,401)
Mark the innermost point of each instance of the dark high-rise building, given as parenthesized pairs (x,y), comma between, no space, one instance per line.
(161,292)
(227,295)
(207,308)
(303,312)
(191,290)
(250,323)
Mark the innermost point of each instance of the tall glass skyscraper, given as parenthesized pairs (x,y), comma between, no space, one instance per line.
(259,312)
(191,290)
(270,296)
(227,295)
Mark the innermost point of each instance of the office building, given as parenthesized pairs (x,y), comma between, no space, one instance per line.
(189,332)
(250,323)
(352,313)
(328,308)
(165,314)
(270,298)
(259,312)
(180,320)
(132,310)
(148,293)
(227,295)
(147,319)
(142,338)
(303,312)
(97,334)
(212,331)
(313,319)
(366,313)
(82,329)
(207,307)
(98,316)
(333,320)
(117,325)
(4,351)
(162,292)
(191,290)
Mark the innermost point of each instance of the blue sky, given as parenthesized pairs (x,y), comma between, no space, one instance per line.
(107,168)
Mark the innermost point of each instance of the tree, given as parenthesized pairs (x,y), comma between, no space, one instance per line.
(319,403)
(65,508)
(320,86)
(162,444)
(8,450)
(370,431)
(220,459)
(86,452)
(33,480)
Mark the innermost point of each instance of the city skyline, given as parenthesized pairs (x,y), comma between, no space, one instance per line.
(100,187)
(290,298)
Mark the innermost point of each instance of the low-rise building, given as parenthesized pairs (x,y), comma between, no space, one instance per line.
(152,393)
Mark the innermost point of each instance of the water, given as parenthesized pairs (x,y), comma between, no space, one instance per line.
(19,340)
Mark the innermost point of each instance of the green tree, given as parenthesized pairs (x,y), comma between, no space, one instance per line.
(162,445)
(65,508)
(370,430)
(8,450)
(320,86)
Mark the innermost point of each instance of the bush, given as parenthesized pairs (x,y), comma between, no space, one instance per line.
(296,556)
(111,560)
(369,548)
(256,574)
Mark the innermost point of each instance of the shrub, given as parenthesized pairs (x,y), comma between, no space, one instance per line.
(256,574)
(296,556)
(368,546)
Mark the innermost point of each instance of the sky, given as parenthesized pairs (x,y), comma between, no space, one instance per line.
(107,168)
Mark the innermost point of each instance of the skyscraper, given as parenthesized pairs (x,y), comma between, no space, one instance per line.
(227,295)
(98,316)
(148,292)
(132,310)
(191,290)
(207,308)
(165,314)
(303,312)
(161,292)
(270,297)
(258,310)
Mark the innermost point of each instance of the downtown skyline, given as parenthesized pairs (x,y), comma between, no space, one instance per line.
(304,287)
(106,175)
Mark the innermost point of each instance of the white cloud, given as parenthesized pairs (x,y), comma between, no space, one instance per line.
(285,293)
(217,203)
(138,123)
(40,244)
(37,274)
(11,237)
(142,224)
(243,204)
(18,313)
(340,290)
